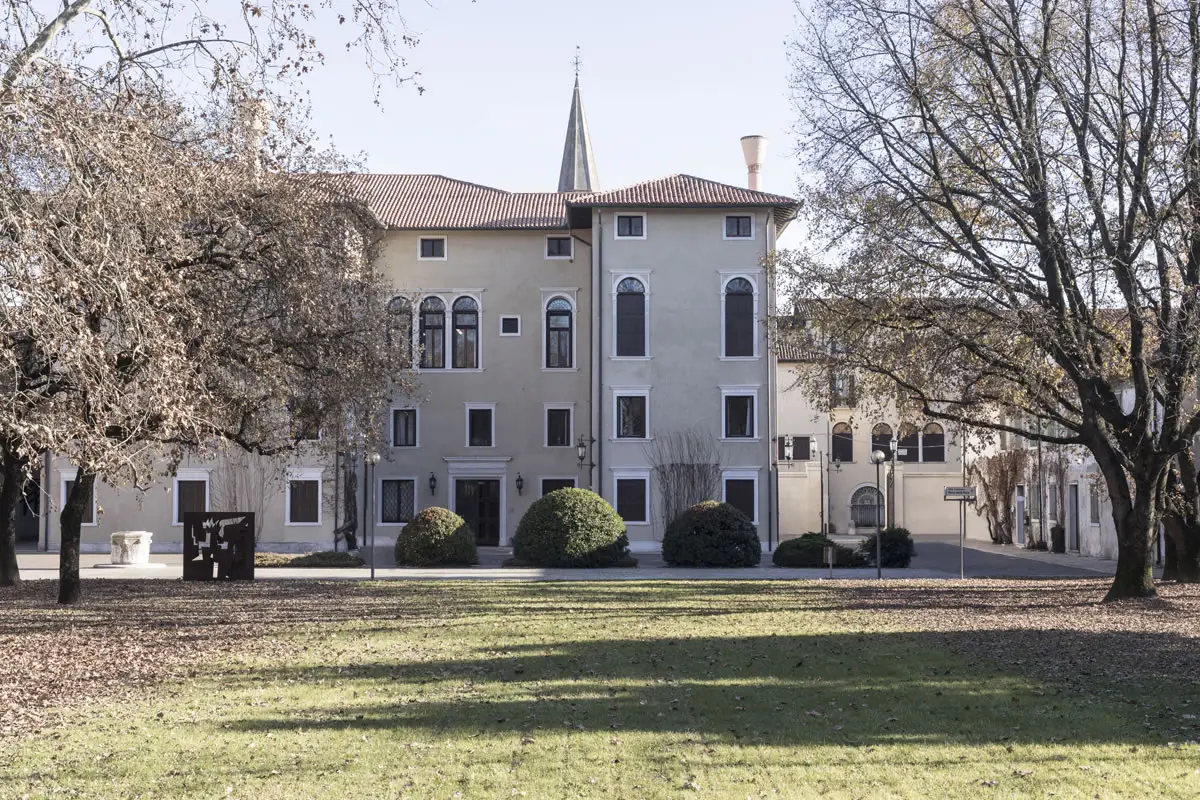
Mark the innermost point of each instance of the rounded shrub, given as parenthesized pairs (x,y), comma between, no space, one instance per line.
(809,551)
(895,544)
(436,536)
(571,528)
(712,534)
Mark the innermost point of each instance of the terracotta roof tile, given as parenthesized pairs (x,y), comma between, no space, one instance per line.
(684,190)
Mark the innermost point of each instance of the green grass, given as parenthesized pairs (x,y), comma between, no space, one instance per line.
(626,690)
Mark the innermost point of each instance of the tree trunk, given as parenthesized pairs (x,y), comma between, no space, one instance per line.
(1137,527)
(70,520)
(1182,562)
(11,486)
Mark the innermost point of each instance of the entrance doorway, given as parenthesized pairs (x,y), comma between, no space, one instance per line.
(1073,516)
(478,502)
(29,513)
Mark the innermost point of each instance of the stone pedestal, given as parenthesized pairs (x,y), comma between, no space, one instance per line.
(130,548)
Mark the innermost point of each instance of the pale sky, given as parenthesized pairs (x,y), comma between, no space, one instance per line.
(668,86)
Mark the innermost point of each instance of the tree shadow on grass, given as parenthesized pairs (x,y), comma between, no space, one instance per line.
(849,689)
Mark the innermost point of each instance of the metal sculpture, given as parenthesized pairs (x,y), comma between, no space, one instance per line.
(224,541)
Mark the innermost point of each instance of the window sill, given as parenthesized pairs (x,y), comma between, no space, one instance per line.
(630,439)
(302,524)
(480,446)
(639,524)
(751,439)
(560,369)
(392,524)
(740,358)
(406,447)
(560,258)
(630,358)
(446,370)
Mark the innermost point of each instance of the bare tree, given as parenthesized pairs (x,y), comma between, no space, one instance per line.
(998,475)
(687,470)
(1009,196)
(249,481)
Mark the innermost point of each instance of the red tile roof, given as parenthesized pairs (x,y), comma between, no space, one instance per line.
(435,202)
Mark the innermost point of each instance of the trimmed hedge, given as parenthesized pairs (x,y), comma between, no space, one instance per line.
(712,534)
(809,551)
(321,558)
(571,528)
(436,536)
(896,546)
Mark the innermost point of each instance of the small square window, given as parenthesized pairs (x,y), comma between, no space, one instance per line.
(631,417)
(739,227)
(558,427)
(479,427)
(558,247)
(631,226)
(404,427)
(739,417)
(510,326)
(397,501)
(631,499)
(554,484)
(433,247)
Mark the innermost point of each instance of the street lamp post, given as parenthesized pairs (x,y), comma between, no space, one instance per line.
(877,458)
(372,461)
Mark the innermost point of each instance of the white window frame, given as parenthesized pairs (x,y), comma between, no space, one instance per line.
(725,228)
(742,475)
(627,475)
(568,237)
(645,226)
(568,294)
(189,475)
(644,279)
(379,494)
(66,475)
(546,409)
(629,391)
(468,408)
(304,474)
(448,296)
(503,317)
(445,248)
(726,277)
(542,478)
(751,390)
(416,409)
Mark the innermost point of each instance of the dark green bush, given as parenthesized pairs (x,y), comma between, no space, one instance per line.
(436,536)
(571,528)
(323,558)
(896,545)
(809,551)
(712,534)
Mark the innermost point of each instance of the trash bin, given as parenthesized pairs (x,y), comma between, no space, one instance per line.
(1058,539)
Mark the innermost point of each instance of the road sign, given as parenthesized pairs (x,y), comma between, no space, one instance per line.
(961,494)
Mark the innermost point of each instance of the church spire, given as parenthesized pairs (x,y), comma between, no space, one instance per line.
(578,172)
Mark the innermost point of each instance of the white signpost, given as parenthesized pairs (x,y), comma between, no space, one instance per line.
(961,495)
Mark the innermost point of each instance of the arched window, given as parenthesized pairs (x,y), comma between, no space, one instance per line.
(866,507)
(933,443)
(842,448)
(739,318)
(433,333)
(399,332)
(881,439)
(631,318)
(909,447)
(466,333)
(559,330)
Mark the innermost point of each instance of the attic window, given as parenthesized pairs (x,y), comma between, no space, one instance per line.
(631,226)
(433,247)
(558,247)
(739,227)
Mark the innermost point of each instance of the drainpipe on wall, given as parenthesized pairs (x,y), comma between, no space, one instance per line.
(597,379)
(772,418)
(45,504)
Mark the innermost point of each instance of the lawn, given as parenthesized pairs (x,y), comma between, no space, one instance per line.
(613,690)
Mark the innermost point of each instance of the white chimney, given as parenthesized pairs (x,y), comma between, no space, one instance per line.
(755,150)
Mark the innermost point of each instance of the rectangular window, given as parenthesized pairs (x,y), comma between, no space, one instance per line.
(558,247)
(741,493)
(558,427)
(479,427)
(304,501)
(89,513)
(631,226)
(433,247)
(554,484)
(190,496)
(1094,504)
(801,448)
(404,427)
(739,227)
(631,417)
(739,416)
(397,500)
(510,326)
(631,499)
(1052,502)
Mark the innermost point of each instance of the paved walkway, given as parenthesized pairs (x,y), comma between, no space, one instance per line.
(936,557)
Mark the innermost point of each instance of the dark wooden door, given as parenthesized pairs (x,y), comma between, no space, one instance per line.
(28,513)
(478,502)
